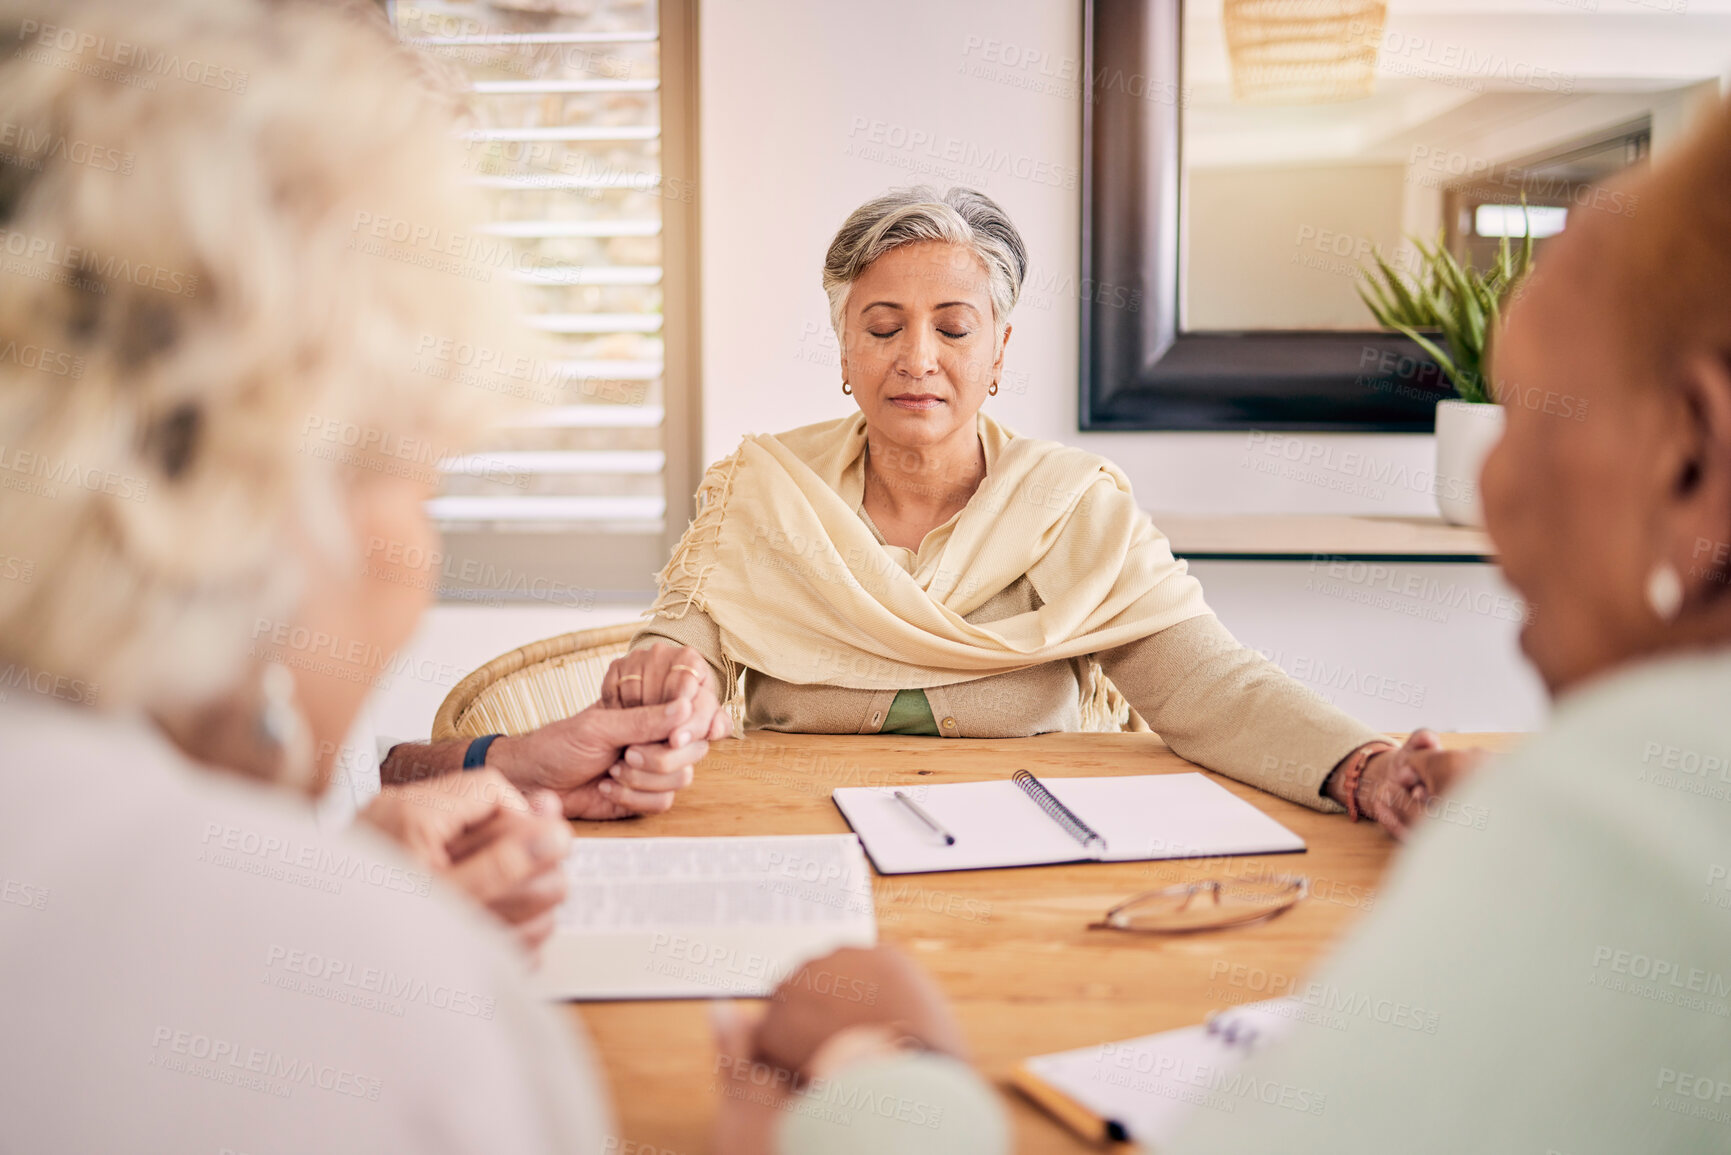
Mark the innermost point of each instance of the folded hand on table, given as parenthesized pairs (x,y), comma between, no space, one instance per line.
(613,763)
(476,830)
(850,1005)
(625,755)
(659,673)
(635,748)
(1400,785)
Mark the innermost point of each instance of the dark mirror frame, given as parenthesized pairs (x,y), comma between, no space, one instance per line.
(1138,370)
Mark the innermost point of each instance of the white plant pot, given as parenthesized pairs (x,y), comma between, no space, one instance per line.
(1465,433)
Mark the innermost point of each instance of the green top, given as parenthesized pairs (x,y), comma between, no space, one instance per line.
(1546,967)
(911,713)
(913,1104)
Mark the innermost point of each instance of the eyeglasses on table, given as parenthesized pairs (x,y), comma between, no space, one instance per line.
(1210,904)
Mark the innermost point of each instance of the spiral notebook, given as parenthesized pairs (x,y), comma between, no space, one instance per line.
(1144,1090)
(1029,821)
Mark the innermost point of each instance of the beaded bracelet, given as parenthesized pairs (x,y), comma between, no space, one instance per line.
(1355,770)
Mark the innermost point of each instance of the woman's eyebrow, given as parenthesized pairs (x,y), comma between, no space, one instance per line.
(903,308)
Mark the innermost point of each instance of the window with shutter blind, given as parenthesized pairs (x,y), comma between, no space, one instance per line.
(583,139)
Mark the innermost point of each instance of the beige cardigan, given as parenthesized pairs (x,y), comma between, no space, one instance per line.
(1214,701)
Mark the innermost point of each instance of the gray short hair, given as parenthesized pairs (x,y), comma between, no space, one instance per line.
(905,216)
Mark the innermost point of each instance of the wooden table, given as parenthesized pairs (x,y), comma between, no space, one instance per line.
(1009,947)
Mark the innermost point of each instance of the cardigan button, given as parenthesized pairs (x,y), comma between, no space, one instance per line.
(949,723)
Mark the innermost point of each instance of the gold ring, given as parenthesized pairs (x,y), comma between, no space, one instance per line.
(630,677)
(686,668)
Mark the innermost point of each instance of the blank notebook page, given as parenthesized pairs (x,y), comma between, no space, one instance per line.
(997,824)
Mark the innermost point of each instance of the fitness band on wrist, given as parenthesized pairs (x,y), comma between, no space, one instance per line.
(476,756)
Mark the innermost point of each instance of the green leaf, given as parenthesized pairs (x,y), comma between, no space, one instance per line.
(1378,308)
(1461,305)
(1462,381)
(1472,308)
(1407,308)
(1381,305)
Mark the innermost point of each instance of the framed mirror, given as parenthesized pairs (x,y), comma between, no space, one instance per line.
(1244,160)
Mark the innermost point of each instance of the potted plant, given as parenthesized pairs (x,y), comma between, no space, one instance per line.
(1450,310)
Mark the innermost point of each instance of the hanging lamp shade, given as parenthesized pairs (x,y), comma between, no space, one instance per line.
(1303,51)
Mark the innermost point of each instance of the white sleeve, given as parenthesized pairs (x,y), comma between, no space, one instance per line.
(354,775)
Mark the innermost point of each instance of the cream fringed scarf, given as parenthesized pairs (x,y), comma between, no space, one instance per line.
(803,591)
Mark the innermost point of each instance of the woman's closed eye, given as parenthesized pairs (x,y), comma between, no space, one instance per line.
(885,334)
(954,335)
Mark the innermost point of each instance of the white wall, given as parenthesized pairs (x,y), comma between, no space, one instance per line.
(811,106)
(1397,646)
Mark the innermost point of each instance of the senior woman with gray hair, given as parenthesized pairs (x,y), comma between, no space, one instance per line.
(189,963)
(917,568)
(1555,979)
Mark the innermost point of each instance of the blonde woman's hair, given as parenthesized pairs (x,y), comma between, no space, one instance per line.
(236,250)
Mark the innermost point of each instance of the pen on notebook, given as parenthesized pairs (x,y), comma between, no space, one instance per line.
(1080,1119)
(917,811)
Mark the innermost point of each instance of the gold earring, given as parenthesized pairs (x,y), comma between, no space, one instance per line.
(993,391)
(846,388)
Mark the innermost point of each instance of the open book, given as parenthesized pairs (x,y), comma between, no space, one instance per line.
(660,918)
(1028,821)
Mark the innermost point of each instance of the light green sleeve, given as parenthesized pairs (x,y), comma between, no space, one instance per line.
(915,1104)
(1545,972)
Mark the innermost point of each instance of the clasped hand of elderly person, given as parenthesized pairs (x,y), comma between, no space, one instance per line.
(618,758)
(483,835)
(499,832)
(1398,784)
(850,1005)
(626,755)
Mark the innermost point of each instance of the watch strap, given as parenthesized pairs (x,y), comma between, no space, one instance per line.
(475,756)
